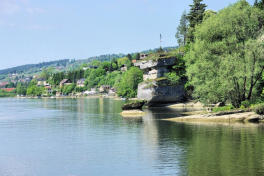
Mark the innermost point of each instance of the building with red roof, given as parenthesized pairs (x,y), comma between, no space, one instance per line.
(8,89)
(3,84)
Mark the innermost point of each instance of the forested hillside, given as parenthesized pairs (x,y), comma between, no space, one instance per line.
(32,67)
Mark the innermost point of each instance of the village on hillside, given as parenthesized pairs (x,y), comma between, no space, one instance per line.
(46,85)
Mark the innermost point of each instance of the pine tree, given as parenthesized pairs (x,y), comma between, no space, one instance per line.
(196,13)
(182,30)
(256,3)
(195,17)
(259,4)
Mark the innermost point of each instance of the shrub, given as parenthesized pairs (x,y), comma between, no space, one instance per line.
(259,109)
(245,104)
(224,108)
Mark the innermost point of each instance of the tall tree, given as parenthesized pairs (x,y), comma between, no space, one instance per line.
(182,30)
(256,3)
(259,4)
(226,61)
(195,16)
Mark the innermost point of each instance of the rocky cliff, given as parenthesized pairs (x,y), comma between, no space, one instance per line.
(156,89)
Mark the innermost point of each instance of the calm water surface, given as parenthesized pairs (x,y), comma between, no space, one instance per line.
(88,137)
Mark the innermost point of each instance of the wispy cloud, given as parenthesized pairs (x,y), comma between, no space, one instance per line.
(10,10)
(10,7)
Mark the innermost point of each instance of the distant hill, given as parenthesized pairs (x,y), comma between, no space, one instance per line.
(32,67)
(63,65)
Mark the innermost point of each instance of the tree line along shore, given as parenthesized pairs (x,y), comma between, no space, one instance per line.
(220,59)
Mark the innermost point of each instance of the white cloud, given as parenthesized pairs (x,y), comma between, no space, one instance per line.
(10,7)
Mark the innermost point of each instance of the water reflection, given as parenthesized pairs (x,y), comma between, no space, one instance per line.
(89,137)
(203,149)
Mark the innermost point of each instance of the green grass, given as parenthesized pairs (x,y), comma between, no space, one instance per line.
(7,94)
(258,108)
(224,108)
(164,55)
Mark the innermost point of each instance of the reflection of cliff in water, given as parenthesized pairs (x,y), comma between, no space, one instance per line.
(165,152)
(203,149)
(165,112)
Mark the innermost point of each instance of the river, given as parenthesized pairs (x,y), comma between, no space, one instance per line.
(88,137)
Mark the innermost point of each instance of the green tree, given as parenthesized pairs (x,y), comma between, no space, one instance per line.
(226,60)
(129,56)
(137,56)
(106,65)
(182,30)
(95,76)
(123,61)
(46,73)
(208,14)
(195,17)
(129,82)
(68,89)
(34,90)
(259,4)
(21,89)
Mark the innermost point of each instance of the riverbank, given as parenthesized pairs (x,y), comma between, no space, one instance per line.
(222,117)
(64,97)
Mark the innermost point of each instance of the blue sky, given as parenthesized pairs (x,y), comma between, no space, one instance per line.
(33,31)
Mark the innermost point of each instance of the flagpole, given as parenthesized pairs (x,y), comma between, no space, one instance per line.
(160,40)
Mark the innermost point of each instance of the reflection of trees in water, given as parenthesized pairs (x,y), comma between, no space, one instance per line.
(181,149)
(201,150)
(217,150)
(226,150)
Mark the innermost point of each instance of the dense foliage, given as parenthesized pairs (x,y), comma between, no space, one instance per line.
(225,61)
(129,82)
(24,68)
(7,94)
(34,90)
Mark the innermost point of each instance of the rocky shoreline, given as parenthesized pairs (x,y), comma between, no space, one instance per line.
(223,117)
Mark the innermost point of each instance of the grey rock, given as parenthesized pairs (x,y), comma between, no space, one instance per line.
(161,94)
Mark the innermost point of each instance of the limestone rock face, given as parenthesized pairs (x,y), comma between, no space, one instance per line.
(145,64)
(161,94)
(156,89)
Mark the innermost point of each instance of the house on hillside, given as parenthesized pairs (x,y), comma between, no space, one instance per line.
(93,67)
(81,83)
(91,92)
(25,80)
(3,84)
(134,61)
(65,82)
(40,81)
(58,94)
(123,68)
(48,90)
(104,89)
(85,68)
(43,83)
